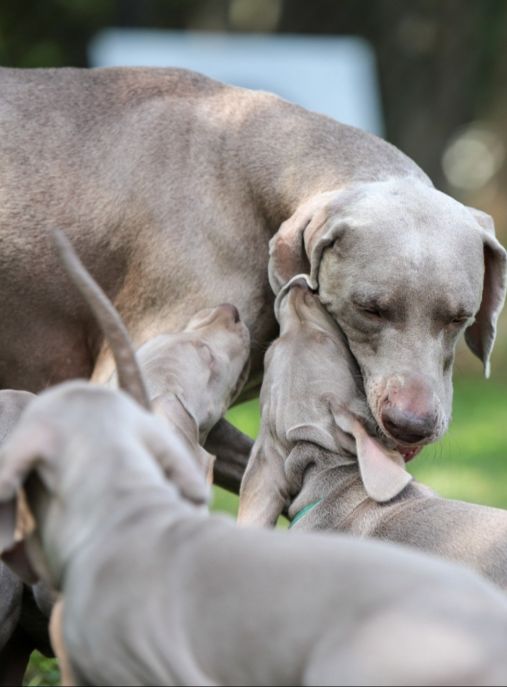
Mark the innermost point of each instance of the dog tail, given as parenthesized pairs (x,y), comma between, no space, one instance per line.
(130,378)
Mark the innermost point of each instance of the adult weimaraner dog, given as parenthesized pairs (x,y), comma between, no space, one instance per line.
(172,185)
(315,455)
(207,603)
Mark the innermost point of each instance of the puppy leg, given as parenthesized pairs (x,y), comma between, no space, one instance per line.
(57,642)
(264,489)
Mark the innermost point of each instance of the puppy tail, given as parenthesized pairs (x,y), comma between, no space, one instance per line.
(130,378)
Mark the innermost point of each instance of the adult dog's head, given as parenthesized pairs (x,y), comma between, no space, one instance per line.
(403,269)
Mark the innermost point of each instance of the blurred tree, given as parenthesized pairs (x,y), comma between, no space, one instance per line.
(50,33)
(436,61)
(55,33)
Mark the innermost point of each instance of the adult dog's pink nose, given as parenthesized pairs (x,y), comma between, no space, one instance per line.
(408,411)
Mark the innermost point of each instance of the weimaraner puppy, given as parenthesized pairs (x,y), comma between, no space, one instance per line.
(214,349)
(310,378)
(23,608)
(201,602)
(171,363)
(315,455)
(213,346)
(187,377)
(119,153)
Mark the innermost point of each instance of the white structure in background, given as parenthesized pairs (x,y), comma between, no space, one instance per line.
(334,76)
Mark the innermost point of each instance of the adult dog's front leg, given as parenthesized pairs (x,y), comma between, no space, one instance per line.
(232,449)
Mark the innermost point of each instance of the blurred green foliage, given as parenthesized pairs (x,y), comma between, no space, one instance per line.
(49,33)
(470,463)
(42,671)
(55,33)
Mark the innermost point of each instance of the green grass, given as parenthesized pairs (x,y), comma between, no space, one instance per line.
(470,463)
(42,671)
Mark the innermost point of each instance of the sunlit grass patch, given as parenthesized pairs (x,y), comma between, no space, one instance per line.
(470,463)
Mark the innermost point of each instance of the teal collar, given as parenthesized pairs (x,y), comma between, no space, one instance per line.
(301,514)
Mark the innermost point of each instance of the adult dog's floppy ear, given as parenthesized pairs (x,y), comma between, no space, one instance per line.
(382,472)
(480,336)
(298,245)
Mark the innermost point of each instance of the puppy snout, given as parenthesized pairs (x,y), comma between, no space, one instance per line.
(406,427)
(231,310)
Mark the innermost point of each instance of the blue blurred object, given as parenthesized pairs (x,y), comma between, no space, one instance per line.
(334,76)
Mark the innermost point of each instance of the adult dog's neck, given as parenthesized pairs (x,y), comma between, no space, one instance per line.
(299,153)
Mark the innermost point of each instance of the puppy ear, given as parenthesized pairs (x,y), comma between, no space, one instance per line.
(178,459)
(284,302)
(242,379)
(16,525)
(18,561)
(12,404)
(313,433)
(7,524)
(298,245)
(18,457)
(171,409)
(382,472)
(325,434)
(207,462)
(480,336)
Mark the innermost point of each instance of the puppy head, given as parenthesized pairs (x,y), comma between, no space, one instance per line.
(205,365)
(70,443)
(228,339)
(380,254)
(297,304)
(326,357)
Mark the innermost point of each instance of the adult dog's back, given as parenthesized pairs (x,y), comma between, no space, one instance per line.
(169,184)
